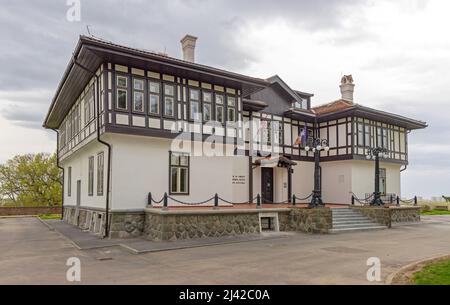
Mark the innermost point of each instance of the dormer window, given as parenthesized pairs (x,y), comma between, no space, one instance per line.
(298,104)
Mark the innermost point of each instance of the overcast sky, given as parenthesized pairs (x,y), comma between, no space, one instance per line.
(397,51)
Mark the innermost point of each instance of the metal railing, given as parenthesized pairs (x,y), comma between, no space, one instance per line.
(216,199)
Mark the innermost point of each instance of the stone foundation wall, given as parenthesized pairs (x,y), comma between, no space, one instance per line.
(160,225)
(379,215)
(86,219)
(405,214)
(126,224)
(309,220)
(387,216)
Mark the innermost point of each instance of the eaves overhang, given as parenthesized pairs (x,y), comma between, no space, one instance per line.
(374,114)
(91,53)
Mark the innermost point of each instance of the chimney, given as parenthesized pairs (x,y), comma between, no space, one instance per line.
(188,45)
(347,88)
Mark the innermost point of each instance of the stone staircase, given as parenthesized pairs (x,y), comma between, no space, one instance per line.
(348,220)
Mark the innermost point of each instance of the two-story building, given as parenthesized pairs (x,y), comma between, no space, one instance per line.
(130,122)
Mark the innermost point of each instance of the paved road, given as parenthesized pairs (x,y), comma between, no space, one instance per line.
(30,253)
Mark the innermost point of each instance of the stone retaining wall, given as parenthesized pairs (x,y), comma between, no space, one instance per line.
(174,225)
(91,220)
(380,215)
(387,215)
(306,220)
(25,211)
(405,214)
(157,224)
(126,224)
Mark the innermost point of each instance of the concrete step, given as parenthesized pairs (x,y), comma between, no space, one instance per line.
(355,225)
(346,230)
(357,217)
(348,221)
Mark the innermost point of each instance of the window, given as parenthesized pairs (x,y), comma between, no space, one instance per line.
(169,100)
(219,109)
(231,103)
(179,173)
(367,135)
(385,138)
(194,101)
(266,134)
(207,100)
(379,137)
(100,173)
(383,181)
(69,181)
(122,93)
(360,134)
(91,177)
(301,104)
(154,94)
(138,95)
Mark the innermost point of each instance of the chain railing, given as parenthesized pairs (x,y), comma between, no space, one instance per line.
(391,200)
(216,199)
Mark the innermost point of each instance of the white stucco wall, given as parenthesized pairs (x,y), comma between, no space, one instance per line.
(339,178)
(141,165)
(336,181)
(79,162)
(303,179)
(363,175)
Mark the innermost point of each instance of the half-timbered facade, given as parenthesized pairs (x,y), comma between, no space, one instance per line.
(130,122)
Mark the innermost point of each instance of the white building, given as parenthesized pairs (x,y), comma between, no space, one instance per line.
(120,113)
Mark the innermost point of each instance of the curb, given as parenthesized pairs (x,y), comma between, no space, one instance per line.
(393,277)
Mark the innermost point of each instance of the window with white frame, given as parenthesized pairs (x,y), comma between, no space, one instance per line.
(231,106)
(100,173)
(169,100)
(367,135)
(179,173)
(220,108)
(207,101)
(91,176)
(194,104)
(154,89)
(138,95)
(360,134)
(122,93)
(383,181)
(69,181)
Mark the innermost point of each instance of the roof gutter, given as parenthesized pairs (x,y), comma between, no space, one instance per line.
(97,112)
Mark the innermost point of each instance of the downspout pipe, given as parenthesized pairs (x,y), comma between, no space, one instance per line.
(97,110)
(62,169)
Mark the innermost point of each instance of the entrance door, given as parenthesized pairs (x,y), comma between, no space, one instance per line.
(267,184)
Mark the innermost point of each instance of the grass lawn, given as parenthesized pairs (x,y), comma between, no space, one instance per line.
(50,216)
(435,212)
(434,274)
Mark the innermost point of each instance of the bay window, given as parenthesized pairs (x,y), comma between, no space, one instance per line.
(194,101)
(231,106)
(154,97)
(138,95)
(169,100)
(207,100)
(122,93)
(219,108)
